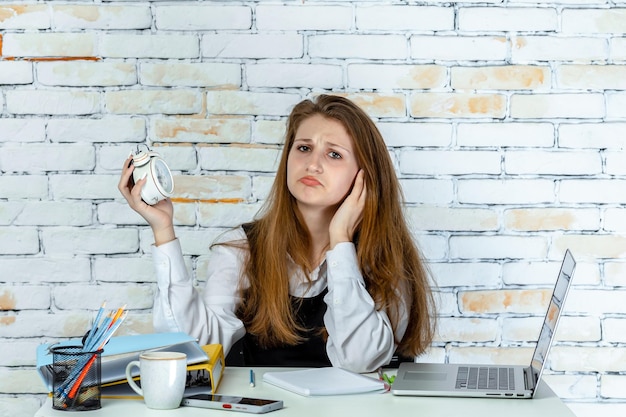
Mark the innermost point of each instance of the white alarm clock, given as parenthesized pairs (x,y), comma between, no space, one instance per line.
(159,184)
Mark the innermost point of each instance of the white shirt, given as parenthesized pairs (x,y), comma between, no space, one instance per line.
(360,338)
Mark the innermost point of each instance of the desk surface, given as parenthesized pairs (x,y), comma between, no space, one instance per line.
(235,382)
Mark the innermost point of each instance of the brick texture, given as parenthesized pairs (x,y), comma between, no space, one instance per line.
(505,122)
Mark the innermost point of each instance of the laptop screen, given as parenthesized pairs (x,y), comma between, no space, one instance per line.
(550,323)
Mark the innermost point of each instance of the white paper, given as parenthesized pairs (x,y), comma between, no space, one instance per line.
(323,381)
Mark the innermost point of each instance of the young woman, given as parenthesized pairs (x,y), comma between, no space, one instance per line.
(326,275)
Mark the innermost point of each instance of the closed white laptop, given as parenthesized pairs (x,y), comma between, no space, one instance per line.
(491,381)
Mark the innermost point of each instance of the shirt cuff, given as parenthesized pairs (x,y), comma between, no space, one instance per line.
(169,263)
(343,262)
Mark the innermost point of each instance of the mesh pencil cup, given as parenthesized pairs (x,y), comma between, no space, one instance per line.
(76,377)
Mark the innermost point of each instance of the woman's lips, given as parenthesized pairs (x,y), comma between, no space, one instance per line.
(310,181)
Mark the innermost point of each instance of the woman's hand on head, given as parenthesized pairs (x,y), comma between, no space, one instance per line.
(160,216)
(349,214)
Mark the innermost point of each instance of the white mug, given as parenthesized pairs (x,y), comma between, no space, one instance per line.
(163,376)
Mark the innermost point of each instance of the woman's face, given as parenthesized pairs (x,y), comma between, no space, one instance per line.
(321,165)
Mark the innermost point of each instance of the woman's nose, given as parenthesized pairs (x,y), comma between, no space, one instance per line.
(315,162)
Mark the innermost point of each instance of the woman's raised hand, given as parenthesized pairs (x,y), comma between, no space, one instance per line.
(348,216)
(160,216)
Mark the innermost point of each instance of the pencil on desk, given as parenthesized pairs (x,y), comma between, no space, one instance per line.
(252,384)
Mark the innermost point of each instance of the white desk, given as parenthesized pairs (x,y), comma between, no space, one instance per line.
(236,382)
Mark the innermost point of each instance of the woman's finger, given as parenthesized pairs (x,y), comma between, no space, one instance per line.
(125,179)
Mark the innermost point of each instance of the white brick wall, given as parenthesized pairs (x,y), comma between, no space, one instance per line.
(505,122)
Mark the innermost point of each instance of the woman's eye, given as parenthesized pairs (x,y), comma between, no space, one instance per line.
(303,148)
(334,155)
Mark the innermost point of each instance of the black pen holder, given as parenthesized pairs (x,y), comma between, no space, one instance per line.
(76,384)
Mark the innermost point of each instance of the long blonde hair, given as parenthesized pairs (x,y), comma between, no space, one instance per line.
(388,257)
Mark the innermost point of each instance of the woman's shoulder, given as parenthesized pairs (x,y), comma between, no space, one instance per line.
(233,236)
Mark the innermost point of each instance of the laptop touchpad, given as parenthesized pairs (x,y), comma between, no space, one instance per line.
(425,376)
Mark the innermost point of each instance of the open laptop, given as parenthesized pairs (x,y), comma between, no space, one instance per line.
(493,381)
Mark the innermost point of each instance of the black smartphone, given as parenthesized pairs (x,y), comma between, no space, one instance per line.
(232,403)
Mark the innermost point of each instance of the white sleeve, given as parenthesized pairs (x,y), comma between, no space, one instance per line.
(180,307)
(360,338)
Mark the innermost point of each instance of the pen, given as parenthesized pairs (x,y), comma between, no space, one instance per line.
(251,378)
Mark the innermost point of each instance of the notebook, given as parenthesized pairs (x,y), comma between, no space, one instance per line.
(492,381)
(323,381)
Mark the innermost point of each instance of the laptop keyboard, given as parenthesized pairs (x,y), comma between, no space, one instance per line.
(485,377)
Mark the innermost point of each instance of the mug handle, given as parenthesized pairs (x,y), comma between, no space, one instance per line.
(130,379)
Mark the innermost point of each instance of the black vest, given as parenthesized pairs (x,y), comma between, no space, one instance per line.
(311,352)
